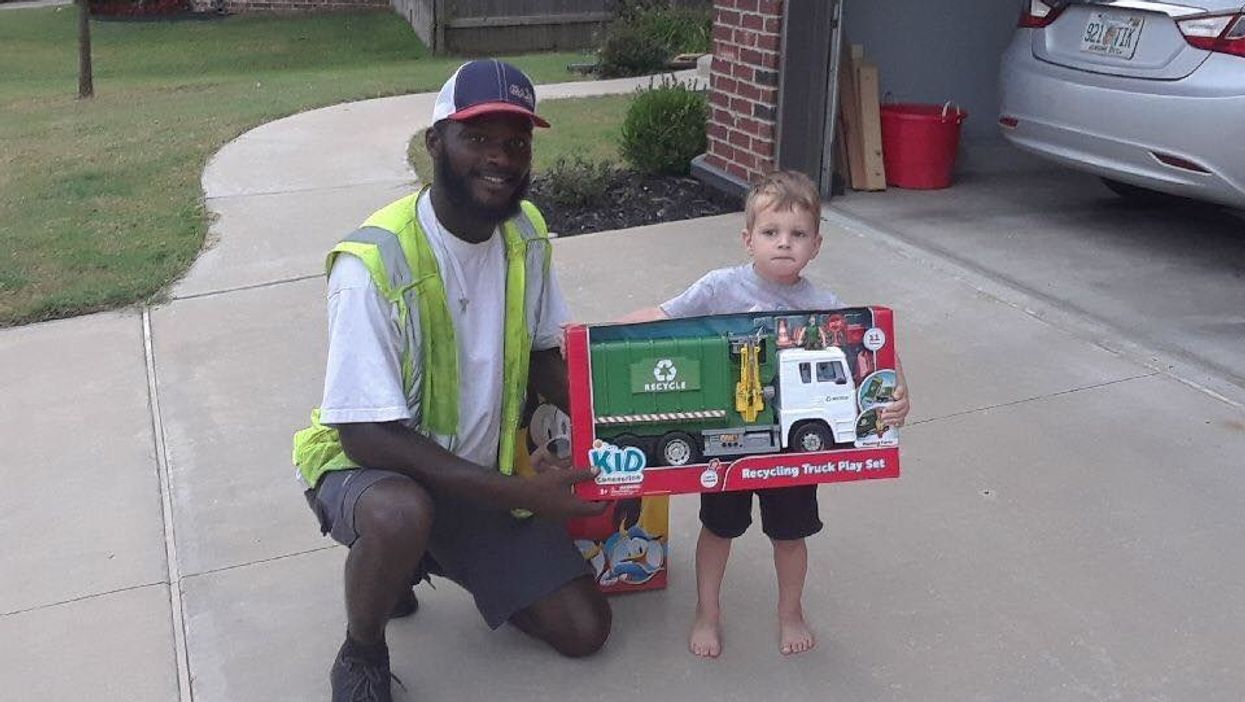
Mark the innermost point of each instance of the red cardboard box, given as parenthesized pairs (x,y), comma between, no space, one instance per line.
(732,402)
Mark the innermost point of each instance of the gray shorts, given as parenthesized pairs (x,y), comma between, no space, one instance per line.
(507,564)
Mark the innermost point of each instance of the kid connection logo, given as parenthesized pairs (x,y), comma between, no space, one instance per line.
(617,464)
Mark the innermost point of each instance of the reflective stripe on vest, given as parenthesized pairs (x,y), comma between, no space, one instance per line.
(395,250)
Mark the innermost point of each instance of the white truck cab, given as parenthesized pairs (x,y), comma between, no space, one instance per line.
(817,398)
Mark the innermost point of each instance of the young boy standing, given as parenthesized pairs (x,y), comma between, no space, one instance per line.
(781,235)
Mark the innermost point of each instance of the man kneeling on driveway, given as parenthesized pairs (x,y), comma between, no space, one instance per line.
(441,308)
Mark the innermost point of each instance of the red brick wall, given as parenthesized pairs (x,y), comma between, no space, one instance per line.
(743,96)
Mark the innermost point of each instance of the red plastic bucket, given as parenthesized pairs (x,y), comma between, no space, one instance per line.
(919,143)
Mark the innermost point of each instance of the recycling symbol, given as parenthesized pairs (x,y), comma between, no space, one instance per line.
(665,370)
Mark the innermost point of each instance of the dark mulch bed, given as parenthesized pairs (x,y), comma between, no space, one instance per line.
(633,200)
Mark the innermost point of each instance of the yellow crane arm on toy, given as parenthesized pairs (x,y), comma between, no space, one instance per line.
(748,398)
(756,397)
(741,388)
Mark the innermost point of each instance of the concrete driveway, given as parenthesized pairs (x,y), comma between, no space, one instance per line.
(1165,285)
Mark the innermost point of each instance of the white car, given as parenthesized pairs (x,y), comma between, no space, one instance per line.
(1148,95)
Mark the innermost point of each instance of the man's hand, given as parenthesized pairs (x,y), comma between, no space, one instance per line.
(895,412)
(548,494)
(543,459)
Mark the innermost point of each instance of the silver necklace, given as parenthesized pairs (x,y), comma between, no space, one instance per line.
(452,261)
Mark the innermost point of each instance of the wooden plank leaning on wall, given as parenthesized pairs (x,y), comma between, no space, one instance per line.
(860,120)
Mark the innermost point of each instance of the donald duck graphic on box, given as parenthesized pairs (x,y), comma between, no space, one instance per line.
(626,546)
(629,556)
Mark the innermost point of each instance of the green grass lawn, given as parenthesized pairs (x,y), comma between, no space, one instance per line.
(100,204)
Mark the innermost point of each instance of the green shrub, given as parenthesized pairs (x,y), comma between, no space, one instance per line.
(628,10)
(647,33)
(681,30)
(665,128)
(629,51)
(576,182)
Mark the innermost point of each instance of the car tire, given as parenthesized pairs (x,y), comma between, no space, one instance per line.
(811,437)
(1143,196)
(677,449)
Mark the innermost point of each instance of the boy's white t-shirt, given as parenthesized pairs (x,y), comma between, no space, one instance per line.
(741,289)
(363,379)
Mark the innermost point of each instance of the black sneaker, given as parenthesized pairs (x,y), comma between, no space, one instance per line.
(406,605)
(361,673)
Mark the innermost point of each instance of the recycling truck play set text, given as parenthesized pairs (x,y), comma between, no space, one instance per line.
(732,402)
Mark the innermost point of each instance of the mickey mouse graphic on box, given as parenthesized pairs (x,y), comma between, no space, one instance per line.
(732,402)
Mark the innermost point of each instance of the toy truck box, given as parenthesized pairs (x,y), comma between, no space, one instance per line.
(732,402)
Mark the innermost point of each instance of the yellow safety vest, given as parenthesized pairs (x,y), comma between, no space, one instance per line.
(395,249)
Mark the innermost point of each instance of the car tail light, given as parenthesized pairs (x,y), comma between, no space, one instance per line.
(1040,13)
(1224,34)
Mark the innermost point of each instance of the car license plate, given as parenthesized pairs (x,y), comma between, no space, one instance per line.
(1112,34)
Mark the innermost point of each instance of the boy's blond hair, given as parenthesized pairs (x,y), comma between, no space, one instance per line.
(783,190)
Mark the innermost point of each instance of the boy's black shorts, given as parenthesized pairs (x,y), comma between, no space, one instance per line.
(786,513)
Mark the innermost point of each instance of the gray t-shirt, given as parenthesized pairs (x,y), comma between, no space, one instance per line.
(741,289)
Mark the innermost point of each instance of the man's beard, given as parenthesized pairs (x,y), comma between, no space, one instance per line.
(457,190)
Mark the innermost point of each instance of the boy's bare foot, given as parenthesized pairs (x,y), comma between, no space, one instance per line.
(795,635)
(706,637)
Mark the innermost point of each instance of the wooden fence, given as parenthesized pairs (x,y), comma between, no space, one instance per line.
(479,27)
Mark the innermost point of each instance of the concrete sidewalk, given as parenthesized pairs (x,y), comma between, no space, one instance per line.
(1063,529)
(28,4)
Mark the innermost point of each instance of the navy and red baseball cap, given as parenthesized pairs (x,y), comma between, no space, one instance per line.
(486,86)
